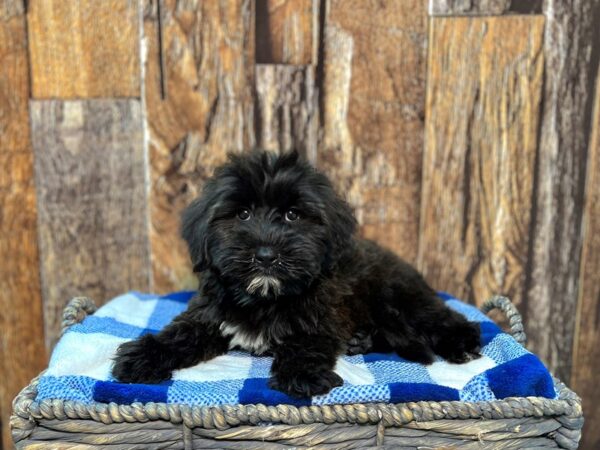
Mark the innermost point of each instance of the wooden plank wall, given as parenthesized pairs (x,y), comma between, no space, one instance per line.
(22,350)
(586,358)
(483,105)
(373,114)
(462,132)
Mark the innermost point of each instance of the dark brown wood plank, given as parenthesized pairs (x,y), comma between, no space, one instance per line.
(287,109)
(484,7)
(22,351)
(586,357)
(82,49)
(571,63)
(285,31)
(207,111)
(373,103)
(483,106)
(90,179)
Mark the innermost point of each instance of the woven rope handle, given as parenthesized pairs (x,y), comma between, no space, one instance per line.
(76,310)
(510,311)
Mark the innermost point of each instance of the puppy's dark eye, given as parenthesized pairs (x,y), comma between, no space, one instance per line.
(244,214)
(292,215)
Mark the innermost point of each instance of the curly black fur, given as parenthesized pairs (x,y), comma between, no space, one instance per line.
(282,272)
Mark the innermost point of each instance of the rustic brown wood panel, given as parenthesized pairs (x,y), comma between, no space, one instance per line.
(285,31)
(287,109)
(86,48)
(205,110)
(571,60)
(90,179)
(373,103)
(22,352)
(586,358)
(481,7)
(483,106)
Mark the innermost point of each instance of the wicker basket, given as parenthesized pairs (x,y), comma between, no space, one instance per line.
(518,422)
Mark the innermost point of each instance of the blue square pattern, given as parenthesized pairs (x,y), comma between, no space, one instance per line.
(80,366)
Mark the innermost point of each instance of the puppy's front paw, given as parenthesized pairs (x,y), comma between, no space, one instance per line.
(361,342)
(461,344)
(306,384)
(139,361)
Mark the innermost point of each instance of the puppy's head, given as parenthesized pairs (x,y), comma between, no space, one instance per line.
(269,225)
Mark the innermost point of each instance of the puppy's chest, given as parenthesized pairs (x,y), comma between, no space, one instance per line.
(253,341)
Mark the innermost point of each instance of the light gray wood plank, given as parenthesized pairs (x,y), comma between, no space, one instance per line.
(90,179)
(484,7)
(287,109)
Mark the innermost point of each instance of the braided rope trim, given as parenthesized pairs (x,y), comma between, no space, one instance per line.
(510,311)
(27,412)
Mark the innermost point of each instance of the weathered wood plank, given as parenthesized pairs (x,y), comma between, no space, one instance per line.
(373,103)
(22,352)
(207,111)
(84,49)
(483,106)
(285,31)
(571,60)
(90,179)
(484,7)
(287,109)
(586,357)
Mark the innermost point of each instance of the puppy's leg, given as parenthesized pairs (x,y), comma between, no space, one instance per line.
(303,367)
(361,342)
(454,338)
(183,343)
(430,325)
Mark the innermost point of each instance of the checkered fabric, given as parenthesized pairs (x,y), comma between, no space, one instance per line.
(81,364)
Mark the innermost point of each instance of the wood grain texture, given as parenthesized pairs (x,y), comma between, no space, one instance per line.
(90,179)
(207,111)
(373,103)
(571,60)
(285,31)
(483,105)
(586,357)
(484,7)
(287,109)
(82,49)
(22,352)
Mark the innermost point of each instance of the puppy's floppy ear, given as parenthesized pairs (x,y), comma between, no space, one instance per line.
(195,221)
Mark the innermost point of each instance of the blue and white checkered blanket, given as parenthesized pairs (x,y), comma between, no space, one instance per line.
(81,364)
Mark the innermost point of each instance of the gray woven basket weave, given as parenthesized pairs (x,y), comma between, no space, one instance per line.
(519,422)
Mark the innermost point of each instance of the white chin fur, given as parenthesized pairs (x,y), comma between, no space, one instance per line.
(263,284)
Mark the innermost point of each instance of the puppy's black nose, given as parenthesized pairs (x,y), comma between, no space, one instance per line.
(265,256)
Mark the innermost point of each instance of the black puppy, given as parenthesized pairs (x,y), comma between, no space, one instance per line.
(282,272)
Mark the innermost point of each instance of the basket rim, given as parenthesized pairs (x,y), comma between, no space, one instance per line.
(27,411)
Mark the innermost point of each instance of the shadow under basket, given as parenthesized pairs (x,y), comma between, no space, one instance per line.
(511,423)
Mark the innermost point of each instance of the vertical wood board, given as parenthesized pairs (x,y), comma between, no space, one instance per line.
(207,110)
(484,7)
(586,355)
(571,54)
(287,109)
(82,49)
(285,31)
(373,110)
(22,352)
(90,178)
(483,104)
